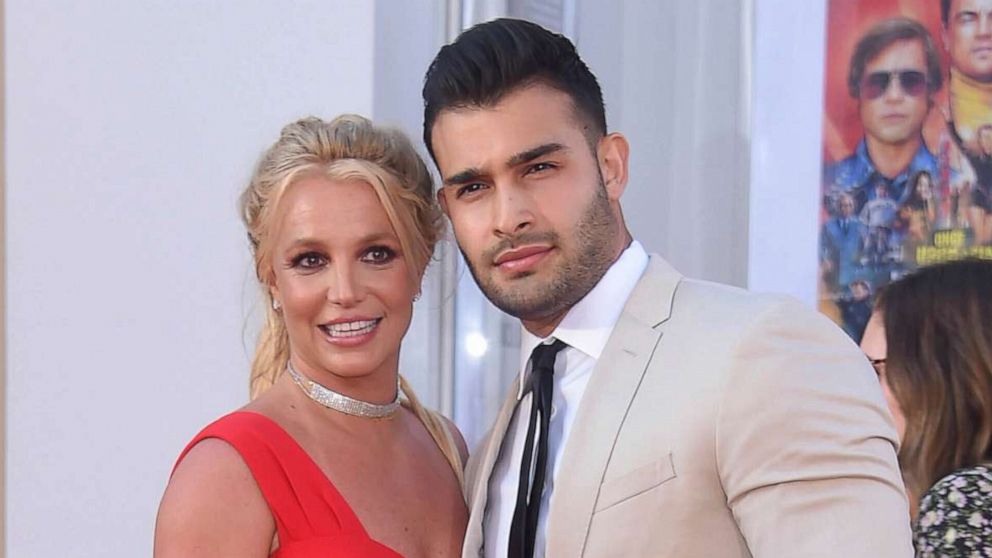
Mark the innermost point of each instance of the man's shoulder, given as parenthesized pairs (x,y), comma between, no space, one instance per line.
(925,159)
(699,297)
(849,172)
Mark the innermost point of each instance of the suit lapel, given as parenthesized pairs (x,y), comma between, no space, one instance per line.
(478,490)
(611,388)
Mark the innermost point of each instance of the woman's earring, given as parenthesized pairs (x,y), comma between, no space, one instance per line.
(275,305)
(416,297)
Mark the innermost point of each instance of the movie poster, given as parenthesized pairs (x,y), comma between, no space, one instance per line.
(907,145)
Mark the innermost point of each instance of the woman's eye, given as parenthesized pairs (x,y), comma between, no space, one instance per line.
(379,255)
(309,260)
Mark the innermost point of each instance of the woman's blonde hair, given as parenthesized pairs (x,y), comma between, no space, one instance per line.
(349,147)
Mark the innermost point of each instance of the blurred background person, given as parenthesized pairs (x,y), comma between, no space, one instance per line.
(920,210)
(854,304)
(968,39)
(327,459)
(841,241)
(881,252)
(979,210)
(930,340)
(893,74)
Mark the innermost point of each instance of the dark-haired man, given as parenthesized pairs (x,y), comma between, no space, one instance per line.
(657,415)
(893,74)
(968,37)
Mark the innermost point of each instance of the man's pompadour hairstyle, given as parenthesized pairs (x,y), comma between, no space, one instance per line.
(494,58)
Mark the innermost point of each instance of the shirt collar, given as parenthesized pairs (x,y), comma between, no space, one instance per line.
(587,325)
(922,160)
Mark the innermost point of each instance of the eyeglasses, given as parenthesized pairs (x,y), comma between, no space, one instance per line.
(878,364)
(875,84)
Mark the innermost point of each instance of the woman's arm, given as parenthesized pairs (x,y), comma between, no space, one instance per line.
(212,507)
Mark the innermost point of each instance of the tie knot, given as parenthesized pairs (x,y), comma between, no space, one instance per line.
(543,357)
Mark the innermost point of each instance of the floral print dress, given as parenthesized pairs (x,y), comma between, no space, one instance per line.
(955,516)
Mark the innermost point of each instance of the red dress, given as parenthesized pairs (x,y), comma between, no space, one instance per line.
(312,518)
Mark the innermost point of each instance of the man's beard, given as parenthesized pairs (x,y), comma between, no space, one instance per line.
(590,255)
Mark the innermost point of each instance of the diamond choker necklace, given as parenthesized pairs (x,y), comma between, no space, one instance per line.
(342,403)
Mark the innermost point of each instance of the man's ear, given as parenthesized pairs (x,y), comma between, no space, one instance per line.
(613,153)
(442,201)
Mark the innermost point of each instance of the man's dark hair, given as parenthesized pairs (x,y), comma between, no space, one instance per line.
(945,11)
(879,37)
(494,58)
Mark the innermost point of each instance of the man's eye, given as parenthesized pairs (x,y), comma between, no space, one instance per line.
(468,189)
(379,255)
(540,167)
(309,260)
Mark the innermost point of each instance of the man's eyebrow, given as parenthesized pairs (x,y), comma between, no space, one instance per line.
(473,174)
(534,153)
(467,175)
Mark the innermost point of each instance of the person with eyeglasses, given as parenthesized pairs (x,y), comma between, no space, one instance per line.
(893,74)
(930,341)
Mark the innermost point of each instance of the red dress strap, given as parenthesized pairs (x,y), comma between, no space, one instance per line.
(311,516)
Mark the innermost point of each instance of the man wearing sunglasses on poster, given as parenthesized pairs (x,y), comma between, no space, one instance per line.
(893,75)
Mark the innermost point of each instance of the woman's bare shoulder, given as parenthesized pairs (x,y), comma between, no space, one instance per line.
(213,507)
(459,439)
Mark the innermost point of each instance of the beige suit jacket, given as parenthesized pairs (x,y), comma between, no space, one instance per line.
(719,423)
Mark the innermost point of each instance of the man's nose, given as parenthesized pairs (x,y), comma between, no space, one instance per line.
(985,24)
(513,213)
(895,91)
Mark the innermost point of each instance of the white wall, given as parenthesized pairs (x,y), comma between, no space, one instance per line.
(787,105)
(674,78)
(722,102)
(131,129)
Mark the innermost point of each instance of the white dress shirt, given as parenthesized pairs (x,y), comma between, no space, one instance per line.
(585,329)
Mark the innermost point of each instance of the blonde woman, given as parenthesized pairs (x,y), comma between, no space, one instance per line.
(334,456)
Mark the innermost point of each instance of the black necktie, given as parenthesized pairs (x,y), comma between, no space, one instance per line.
(523,529)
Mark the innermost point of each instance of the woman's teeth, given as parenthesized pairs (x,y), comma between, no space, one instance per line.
(350,329)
